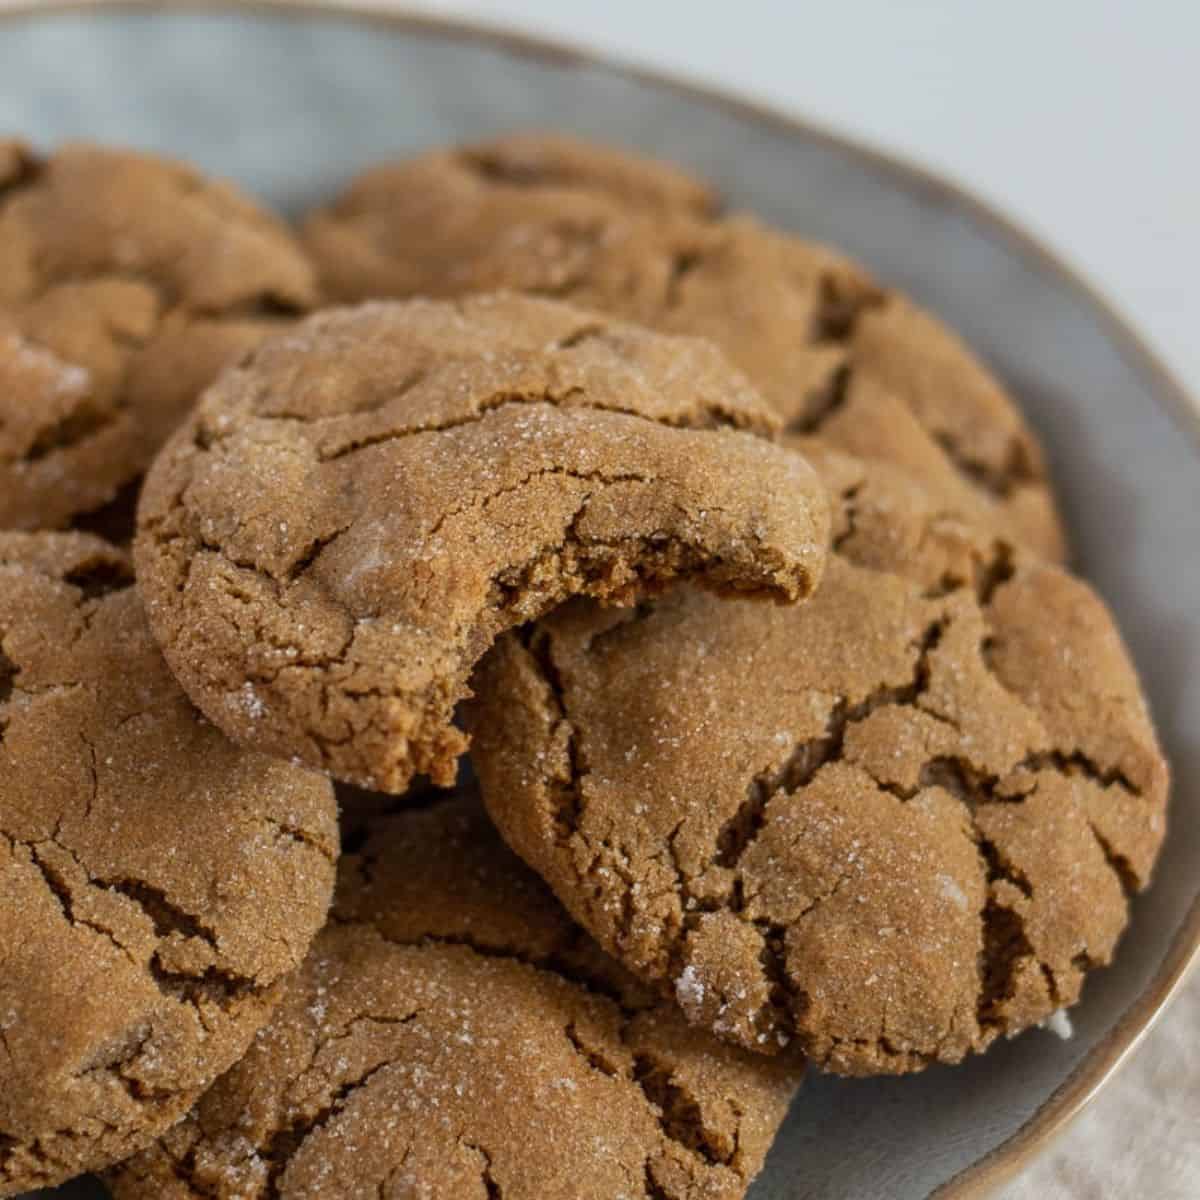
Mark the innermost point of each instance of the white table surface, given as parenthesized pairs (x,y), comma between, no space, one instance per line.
(1081,120)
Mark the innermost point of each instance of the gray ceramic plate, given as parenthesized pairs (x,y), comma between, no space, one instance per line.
(290,103)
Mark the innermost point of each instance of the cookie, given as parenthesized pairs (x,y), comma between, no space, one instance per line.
(156,883)
(453,1035)
(527,212)
(126,282)
(832,349)
(890,824)
(349,519)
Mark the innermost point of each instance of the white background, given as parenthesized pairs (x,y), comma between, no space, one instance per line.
(1079,119)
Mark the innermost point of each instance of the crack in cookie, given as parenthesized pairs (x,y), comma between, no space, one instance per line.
(540,161)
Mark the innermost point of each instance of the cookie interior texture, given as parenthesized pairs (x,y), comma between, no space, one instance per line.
(891,824)
(156,882)
(454,1035)
(831,348)
(126,282)
(350,518)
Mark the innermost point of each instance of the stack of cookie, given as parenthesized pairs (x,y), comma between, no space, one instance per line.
(677,615)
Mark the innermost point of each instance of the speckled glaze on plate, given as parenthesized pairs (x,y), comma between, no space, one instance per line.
(291,100)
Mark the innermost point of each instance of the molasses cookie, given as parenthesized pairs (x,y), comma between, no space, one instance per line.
(156,882)
(453,1035)
(891,824)
(539,214)
(126,282)
(350,518)
(832,349)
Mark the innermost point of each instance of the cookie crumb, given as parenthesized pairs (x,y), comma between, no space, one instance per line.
(948,887)
(252,702)
(689,991)
(1059,1024)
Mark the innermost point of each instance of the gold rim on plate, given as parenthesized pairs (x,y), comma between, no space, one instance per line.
(1001,1163)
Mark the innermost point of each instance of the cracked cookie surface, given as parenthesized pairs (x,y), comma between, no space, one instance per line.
(126,282)
(349,519)
(156,882)
(453,1035)
(890,825)
(832,349)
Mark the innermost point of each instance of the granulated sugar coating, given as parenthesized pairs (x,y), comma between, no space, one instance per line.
(890,824)
(126,282)
(833,350)
(351,517)
(156,882)
(453,1036)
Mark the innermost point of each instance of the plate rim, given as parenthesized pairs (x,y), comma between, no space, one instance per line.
(987,1174)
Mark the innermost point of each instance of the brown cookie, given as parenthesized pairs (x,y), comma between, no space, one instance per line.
(452,1035)
(890,824)
(530,213)
(126,282)
(832,349)
(350,518)
(156,882)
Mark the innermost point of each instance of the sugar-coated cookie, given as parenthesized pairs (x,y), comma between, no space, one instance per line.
(126,282)
(156,882)
(535,213)
(889,824)
(350,518)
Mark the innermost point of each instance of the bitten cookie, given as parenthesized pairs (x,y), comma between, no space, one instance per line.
(350,518)
(452,1035)
(891,824)
(833,350)
(156,883)
(126,282)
